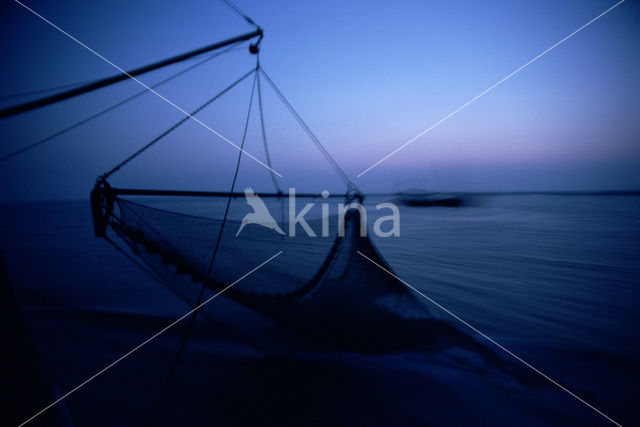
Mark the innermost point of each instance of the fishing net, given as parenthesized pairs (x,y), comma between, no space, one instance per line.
(325,279)
(185,237)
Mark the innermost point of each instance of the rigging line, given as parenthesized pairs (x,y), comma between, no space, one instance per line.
(175,126)
(235,178)
(123,75)
(114,106)
(264,136)
(308,131)
(239,11)
(49,89)
(189,330)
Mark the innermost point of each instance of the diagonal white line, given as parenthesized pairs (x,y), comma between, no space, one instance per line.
(491,340)
(146,87)
(481,94)
(136,348)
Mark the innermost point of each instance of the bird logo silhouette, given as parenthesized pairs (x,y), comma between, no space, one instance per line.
(260,214)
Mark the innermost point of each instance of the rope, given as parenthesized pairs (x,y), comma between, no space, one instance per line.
(308,131)
(175,126)
(239,11)
(264,138)
(112,107)
(192,320)
(49,89)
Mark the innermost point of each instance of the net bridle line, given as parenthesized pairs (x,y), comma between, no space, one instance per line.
(264,134)
(189,330)
(351,187)
(114,106)
(175,126)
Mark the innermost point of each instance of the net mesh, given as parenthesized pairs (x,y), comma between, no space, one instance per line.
(182,240)
(320,285)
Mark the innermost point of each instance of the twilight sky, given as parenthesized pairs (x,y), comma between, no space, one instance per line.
(366,76)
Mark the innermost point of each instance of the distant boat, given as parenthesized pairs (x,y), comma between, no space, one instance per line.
(419,198)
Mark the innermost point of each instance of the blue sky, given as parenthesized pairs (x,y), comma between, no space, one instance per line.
(366,76)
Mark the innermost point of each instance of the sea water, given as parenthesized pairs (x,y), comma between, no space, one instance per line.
(555,279)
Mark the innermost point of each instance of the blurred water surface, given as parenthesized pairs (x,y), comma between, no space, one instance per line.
(556,279)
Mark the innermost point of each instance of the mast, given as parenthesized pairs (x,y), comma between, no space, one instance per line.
(41,102)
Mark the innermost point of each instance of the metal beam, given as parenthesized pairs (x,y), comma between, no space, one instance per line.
(41,102)
(141,192)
